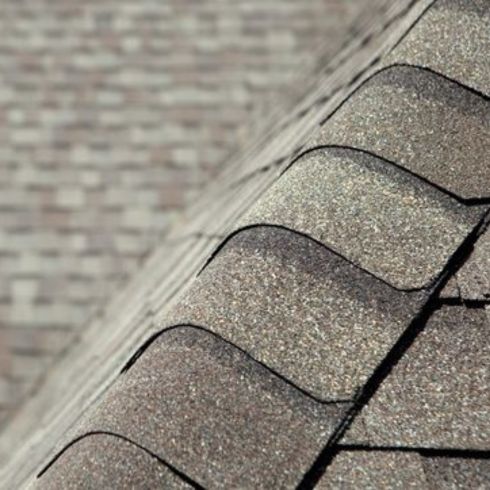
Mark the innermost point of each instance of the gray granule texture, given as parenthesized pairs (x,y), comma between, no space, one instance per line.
(388,222)
(303,311)
(474,276)
(374,470)
(437,394)
(457,473)
(215,414)
(423,122)
(452,38)
(101,461)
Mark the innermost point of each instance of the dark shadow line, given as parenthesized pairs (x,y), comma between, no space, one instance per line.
(446,452)
(308,237)
(172,468)
(147,343)
(476,304)
(402,65)
(384,368)
(470,202)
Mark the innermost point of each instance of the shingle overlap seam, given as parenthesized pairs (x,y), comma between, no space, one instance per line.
(423,451)
(163,331)
(308,237)
(365,393)
(468,202)
(301,150)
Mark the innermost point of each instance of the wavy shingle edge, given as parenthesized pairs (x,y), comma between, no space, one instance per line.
(301,310)
(231,417)
(99,461)
(390,223)
(425,123)
(451,38)
(215,414)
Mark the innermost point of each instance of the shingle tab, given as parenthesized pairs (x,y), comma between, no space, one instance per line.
(388,222)
(100,461)
(215,414)
(300,309)
(374,470)
(437,395)
(452,38)
(421,121)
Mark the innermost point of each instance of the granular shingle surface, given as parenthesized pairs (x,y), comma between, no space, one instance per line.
(374,470)
(384,469)
(422,121)
(215,414)
(303,311)
(388,222)
(437,395)
(100,461)
(452,38)
(458,473)
(473,278)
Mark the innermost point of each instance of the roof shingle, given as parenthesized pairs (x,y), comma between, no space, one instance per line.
(388,222)
(421,121)
(437,395)
(216,415)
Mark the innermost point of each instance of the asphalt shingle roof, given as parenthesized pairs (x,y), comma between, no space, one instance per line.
(215,413)
(329,286)
(300,309)
(388,222)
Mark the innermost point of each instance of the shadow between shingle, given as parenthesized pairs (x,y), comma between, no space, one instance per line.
(383,219)
(298,308)
(211,411)
(437,394)
(451,38)
(433,127)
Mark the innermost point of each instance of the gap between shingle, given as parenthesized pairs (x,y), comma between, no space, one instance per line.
(423,451)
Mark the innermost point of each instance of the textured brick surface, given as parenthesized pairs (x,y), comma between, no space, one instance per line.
(113,114)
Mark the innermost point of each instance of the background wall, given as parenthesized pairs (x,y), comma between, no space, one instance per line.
(113,114)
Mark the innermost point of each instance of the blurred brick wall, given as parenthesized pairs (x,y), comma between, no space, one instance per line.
(112,114)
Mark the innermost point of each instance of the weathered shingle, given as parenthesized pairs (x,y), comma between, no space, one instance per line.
(215,414)
(388,222)
(437,395)
(100,461)
(300,309)
(452,38)
(423,122)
